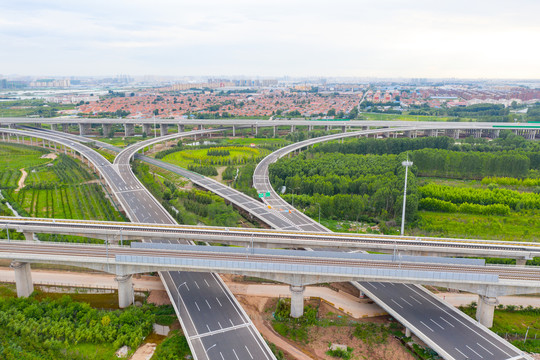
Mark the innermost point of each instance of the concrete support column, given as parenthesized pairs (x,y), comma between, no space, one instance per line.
(531,134)
(326,128)
(275,131)
(521,262)
(297,300)
(485,310)
(84,129)
(407,134)
(292,128)
(164,129)
(125,290)
(23,278)
(478,133)
(234,131)
(180,128)
(495,134)
(28,236)
(54,127)
(107,129)
(65,127)
(147,129)
(310,127)
(129,129)
(407,332)
(344,128)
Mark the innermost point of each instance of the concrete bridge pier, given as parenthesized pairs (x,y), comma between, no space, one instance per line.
(485,310)
(164,129)
(274,127)
(521,262)
(453,133)
(65,127)
(180,128)
(407,134)
(23,278)
(12,126)
(407,332)
(344,128)
(530,134)
(54,127)
(432,133)
(477,133)
(494,134)
(234,131)
(129,129)
(326,128)
(147,129)
(28,236)
(297,300)
(84,129)
(107,129)
(310,127)
(125,290)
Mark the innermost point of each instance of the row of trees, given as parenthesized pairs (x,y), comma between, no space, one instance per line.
(218,152)
(469,165)
(458,195)
(431,204)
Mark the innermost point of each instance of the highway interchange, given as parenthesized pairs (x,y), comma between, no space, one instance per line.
(487,343)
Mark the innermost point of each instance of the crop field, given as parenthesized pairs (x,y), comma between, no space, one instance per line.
(59,188)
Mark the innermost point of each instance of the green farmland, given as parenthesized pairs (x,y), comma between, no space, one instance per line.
(55,187)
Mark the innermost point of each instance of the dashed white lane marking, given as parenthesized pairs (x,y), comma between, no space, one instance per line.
(207,284)
(396,303)
(197,305)
(197,285)
(221,355)
(490,353)
(461,353)
(207,303)
(251,356)
(208,327)
(468,347)
(406,302)
(221,327)
(433,321)
(446,321)
(231,322)
(415,299)
(219,302)
(423,323)
(237,358)
(372,285)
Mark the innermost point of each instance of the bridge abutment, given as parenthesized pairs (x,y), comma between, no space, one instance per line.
(297,300)
(125,290)
(485,310)
(23,278)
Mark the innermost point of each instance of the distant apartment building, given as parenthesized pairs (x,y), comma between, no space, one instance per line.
(51,83)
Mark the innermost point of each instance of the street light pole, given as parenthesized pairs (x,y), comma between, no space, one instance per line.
(319,212)
(406,163)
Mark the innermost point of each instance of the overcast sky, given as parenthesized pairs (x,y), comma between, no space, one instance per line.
(385,38)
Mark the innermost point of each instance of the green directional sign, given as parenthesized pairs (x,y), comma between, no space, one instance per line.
(268,194)
(261,195)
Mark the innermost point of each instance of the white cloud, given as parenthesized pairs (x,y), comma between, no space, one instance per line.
(363,38)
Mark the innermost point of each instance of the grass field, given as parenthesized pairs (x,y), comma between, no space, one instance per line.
(238,155)
(523,226)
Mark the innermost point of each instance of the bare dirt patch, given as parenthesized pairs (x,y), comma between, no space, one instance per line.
(159,297)
(51,156)
(144,352)
(21,180)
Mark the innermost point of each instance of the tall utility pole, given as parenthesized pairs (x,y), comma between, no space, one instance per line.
(406,163)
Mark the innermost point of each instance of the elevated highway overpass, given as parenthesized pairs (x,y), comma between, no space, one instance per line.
(269,238)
